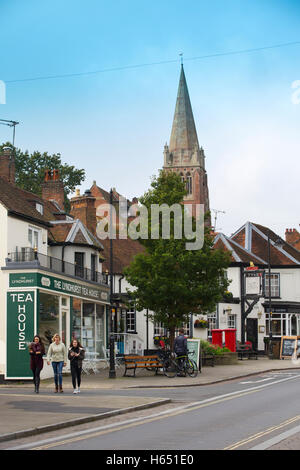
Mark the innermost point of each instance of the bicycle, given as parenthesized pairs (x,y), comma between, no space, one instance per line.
(173,366)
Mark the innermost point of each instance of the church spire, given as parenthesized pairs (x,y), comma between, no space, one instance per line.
(184,156)
(184,134)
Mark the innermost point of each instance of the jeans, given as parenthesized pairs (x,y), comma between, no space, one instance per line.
(36,376)
(76,374)
(57,369)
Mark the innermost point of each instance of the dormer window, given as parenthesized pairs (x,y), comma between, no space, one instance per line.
(40,208)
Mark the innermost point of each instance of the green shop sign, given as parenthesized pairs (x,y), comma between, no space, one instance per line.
(20,331)
(59,285)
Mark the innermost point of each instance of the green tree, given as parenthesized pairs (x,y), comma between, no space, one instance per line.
(170,280)
(30,171)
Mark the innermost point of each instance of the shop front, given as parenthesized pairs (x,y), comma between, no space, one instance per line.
(284,321)
(45,305)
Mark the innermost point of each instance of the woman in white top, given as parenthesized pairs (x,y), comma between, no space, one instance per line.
(57,353)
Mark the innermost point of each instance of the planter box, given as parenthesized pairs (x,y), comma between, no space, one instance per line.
(227,358)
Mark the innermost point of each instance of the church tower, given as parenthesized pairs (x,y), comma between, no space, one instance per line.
(184,155)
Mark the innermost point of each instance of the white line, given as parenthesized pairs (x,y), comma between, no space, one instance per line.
(257,381)
(162,413)
(275,440)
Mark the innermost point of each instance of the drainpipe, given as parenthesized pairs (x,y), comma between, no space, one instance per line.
(120,280)
(63,257)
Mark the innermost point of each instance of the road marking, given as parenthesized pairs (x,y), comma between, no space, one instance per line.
(83,435)
(257,381)
(275,440)
(262,433)
(139,421)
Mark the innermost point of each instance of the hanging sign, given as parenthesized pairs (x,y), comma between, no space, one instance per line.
(20,332)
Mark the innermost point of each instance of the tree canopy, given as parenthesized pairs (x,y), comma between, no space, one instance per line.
(170,280)
(30,170)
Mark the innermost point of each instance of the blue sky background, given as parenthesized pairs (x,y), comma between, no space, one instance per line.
(115,124)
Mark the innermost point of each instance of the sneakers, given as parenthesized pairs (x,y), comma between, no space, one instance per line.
(76,391)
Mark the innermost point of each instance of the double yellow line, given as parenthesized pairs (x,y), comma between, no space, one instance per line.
(262,433)
(137,423)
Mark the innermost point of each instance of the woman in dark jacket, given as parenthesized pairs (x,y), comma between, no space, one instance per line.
(76,356)
(36,351)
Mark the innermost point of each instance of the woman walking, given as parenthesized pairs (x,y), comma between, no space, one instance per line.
(58,355)
(36,351)
(76,356)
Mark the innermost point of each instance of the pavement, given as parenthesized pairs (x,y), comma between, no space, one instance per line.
(24,413)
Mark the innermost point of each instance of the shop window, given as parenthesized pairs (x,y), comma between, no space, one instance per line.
(100,344)
(76,319)
(48,318)
(88,326)
(278,324)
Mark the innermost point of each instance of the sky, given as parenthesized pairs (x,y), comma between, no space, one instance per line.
(114,123)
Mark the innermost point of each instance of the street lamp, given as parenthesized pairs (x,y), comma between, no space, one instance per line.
(112,370)
(278,242)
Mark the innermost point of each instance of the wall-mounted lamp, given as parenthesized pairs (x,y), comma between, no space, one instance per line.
(227,310)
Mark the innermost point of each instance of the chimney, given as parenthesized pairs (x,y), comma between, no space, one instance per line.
(53,188)
(7,165)
(83,208)
(292,236)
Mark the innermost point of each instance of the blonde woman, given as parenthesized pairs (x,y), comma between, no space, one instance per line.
(57,353)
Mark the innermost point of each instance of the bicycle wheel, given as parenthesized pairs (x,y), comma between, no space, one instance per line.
(191,368)
(170,368)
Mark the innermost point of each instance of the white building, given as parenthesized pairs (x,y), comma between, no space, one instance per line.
(50,278)
(249,244)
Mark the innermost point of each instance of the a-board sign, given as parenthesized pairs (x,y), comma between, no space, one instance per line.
(290,345)
(193,346)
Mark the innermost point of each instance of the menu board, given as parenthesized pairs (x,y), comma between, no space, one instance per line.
(193,346)
(289,346)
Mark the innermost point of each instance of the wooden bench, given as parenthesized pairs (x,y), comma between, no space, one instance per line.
(208,358)
(244,350)
(141,362)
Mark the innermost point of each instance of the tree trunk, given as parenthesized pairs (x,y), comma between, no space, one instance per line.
(172,337)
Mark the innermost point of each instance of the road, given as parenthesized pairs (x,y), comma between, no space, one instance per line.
(244,414)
